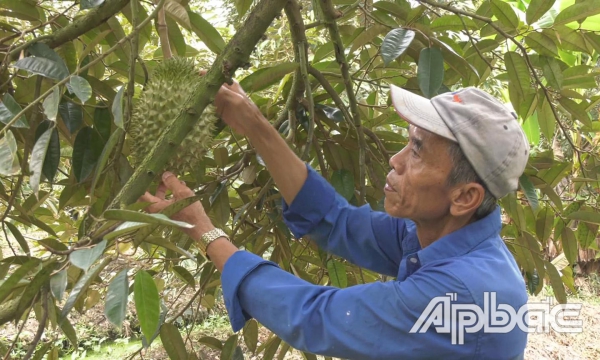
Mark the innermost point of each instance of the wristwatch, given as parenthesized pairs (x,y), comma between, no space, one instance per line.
(209,237)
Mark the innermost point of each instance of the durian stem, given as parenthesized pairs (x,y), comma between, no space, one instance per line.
(235,55)
(163,34)
(330,14)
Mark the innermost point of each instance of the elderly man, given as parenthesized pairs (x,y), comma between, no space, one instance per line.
(439,237)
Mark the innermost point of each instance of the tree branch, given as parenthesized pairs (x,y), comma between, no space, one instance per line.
(41,326)
(330,14)
(79,27)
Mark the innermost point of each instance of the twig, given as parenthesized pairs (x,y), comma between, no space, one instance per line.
(41,326)
(329,14)
(163,34)
(7,356)
(311,102)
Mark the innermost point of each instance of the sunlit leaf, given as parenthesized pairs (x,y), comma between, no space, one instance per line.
(117,108)
(8,285)
(242,6)
(268,76)
(591,217)
(9,108)
(337,273)
(81,88)
(536,9)
(9,161)
(505,13)
(84,258)
(552,72)
(178,12)
(206,32)
(578,11)
(58,284)
(395,43)
(19,237)
(135,216)
(50,104)
(184,275)
(38,155)
(88,4)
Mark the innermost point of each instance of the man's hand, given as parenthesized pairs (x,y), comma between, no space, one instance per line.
(193,214)
(237,110)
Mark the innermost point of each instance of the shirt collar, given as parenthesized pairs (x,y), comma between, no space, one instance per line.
(462,240)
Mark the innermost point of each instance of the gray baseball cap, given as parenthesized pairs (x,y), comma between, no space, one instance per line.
(486,130)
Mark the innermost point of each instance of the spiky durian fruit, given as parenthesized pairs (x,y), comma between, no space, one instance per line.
(166,94)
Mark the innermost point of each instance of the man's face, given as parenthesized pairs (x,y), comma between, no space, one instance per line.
(416,187)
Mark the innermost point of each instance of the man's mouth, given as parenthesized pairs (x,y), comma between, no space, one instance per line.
(388,187)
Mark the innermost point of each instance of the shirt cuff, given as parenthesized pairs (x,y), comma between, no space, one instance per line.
(313,202)
(236,269)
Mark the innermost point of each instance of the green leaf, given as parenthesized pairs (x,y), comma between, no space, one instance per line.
(84,155)
(8,285)
(135,216)
(536,9)
(586,234)
(19,237)
(81,287)
(552,72)
(160,241)
(505,13)
(229,348)
(147,305)
(117,108)
(576,110)
(69,331)
(125,228)
(586,216)
(546,119)
(529,191)
(518,72)
(206,32)
(184,275)
(8,109)
(71,114)
(176,39)
(211,342)
(453,23)
(39,353)
(38,155)
(242,6)
(80,87)
(265,77)
(176,11)
(483,46)
(544,224)
(42,50)
(104,156)
(337,273)
(50,104)
(578,11)
(430,72)
(9,161)
(173,342)
(52,159)
(88,4)
(221,156)
(395,43)
(343,182)
(532,129)
(41,66)
(367,36)
(556,282)
(33,288)
(251,335)
(84,258)
(58,284)
(569,243)
(271,349)
(541,43)
(115,308)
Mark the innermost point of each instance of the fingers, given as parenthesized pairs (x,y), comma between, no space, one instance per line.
(178,188)
(161,190)
(156,204)
(202,72)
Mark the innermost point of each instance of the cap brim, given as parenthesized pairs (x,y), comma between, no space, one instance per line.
(419,111)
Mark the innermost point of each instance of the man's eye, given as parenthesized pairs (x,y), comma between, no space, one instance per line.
(414,152)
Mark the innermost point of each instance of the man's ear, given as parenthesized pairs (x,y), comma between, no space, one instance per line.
(466,198)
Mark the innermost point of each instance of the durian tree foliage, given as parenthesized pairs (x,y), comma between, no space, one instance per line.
(100,96)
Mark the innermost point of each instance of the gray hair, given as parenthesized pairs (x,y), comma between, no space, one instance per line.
(463,172)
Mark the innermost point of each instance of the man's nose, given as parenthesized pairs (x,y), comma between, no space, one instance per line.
(397,162)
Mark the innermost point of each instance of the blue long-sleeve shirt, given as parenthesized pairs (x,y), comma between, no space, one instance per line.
(374,321)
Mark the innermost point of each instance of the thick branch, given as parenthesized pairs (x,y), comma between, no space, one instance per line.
(236,54)
(79,27)
(330,14)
